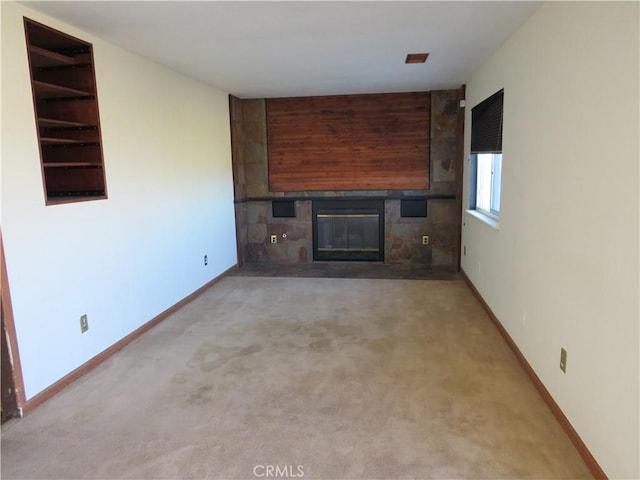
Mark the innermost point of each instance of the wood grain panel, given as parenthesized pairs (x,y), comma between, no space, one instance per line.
(349,142)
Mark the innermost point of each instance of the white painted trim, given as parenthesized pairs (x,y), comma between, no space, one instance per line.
(490,221)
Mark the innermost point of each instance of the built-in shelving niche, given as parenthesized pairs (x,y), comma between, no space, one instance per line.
(66,109)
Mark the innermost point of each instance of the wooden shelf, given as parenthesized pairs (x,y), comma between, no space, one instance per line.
(41,57)
(66,110)
(49,90)
(58,140)
(52,122)
(70,164)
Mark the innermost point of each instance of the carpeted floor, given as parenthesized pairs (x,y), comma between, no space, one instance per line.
(328,378)
(378,270)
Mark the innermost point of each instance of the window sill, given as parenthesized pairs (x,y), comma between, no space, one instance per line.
(492,222)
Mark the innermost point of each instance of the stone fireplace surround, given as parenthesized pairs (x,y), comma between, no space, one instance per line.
(402,235)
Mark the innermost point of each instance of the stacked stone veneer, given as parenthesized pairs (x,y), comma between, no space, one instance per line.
(403,236)
(254,243)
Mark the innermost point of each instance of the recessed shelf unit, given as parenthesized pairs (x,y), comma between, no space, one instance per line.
(66,113)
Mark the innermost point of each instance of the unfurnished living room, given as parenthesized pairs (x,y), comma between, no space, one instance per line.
(331,240)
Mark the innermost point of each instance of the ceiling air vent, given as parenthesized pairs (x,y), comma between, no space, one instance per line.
(416,58)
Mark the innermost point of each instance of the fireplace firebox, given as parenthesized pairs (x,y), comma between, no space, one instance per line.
(348,230)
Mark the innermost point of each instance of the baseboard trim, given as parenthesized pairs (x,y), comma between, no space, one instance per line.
(584,452)
(71,377)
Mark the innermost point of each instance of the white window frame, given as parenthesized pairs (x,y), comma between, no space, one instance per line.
(488,183)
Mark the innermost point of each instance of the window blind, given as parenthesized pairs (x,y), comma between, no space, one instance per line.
(486,125)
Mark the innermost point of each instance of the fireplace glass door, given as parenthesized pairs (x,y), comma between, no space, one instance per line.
(348,231)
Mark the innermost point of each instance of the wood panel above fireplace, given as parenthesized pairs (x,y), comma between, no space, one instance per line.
(349,142)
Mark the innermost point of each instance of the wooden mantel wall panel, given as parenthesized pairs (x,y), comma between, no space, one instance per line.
(349,142)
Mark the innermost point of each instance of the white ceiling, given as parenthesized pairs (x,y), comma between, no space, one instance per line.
(275,49)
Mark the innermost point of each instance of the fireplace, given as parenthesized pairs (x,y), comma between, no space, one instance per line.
(348,230)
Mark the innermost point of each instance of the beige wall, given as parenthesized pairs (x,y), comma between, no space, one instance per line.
(126,259)
(562,269)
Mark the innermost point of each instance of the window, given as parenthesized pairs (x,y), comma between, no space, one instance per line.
(486,155)
(66,109)
(489,167)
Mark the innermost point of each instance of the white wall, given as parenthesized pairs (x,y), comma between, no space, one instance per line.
(126,259)
(562,270)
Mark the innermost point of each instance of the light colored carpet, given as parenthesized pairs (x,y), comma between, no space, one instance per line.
(346,379)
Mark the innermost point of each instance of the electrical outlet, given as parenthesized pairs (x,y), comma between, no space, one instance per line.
(84,323)
(274,239)
(206,260)
(425,239)
(563,360)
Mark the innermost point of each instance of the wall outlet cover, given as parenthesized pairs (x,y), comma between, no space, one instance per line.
(563,360)
(84,323)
